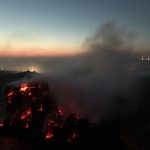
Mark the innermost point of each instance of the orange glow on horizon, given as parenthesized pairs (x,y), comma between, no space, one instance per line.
(38,52)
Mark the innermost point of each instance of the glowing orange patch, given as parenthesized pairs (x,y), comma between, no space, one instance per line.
(41,108)
(76,117)
(10,94)
(24,87)
(73,136)
(1,124)
(26,126)
(26,114)
(49,135)
(60,111)
(50,122)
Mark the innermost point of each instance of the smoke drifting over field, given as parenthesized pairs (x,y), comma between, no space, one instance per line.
(99,82)
(94,83)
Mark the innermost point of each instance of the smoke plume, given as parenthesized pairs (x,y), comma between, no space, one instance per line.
(100,82)
(93,83)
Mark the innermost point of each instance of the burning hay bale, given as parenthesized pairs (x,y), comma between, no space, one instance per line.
(31,108)
(29,103)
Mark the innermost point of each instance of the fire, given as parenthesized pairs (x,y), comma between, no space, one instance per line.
(30,94)
(49,135)
(1,124)
(24,87)
(26,114)
(26,126)
(10,94)
(35,100)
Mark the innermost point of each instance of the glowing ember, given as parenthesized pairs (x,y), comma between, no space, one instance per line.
(1,124)
(77,117)
(72,137)
(61,113)
(50,122)
(30,94)
(26,126)
(41,108)
(49,135)
(26,114)
(10,94)
(59,124)
(24,87)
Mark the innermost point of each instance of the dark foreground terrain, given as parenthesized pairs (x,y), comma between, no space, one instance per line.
(130,131)
(114,135)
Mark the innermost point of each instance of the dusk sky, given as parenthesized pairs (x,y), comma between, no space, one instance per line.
(60,27)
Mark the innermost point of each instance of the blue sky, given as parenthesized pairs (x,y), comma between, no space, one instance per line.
(61,26)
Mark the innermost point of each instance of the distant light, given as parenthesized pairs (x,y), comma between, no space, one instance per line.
(145,59)
(1,68)
(33,69)
(142,58)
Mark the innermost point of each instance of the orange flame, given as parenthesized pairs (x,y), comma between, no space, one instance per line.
(24,87)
